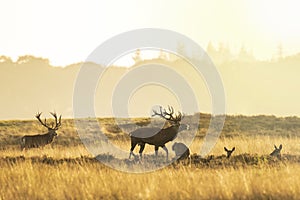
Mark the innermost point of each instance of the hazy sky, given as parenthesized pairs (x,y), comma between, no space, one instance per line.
(68,31)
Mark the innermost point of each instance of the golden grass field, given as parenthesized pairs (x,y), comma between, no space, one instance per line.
(66,170)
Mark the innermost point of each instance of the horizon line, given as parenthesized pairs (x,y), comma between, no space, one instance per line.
(136,117)
(15,60)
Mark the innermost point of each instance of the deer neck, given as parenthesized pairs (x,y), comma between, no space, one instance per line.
(174,127)
(52,134)
(172,131)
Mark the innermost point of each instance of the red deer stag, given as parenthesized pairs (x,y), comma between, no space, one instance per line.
(40,140)
(156,136)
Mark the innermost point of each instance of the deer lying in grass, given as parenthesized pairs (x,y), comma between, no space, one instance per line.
(276,151)
(229,152)
(182,152)
(156,136)
(34,141)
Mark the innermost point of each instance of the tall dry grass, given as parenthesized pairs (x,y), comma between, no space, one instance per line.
(261,145)
(93,180)
(29,180)
(31,175)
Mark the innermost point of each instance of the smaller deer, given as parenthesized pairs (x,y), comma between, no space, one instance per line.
(229,152)
(276,151)
(181,151)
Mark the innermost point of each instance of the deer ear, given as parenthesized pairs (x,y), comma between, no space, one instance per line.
(225,149)
(275,146)
(233,149)
(280,146)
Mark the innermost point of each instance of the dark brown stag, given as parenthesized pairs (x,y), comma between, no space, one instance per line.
(156,136)
(40,140)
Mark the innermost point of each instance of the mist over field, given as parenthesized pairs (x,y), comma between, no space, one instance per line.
(149,125)
(31,84)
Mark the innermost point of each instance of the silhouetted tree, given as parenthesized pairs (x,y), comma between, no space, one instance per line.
(211,50)
(245,56)
(137,56)
(5,59)
(181,49)
(280,52)
(29,59)
(162,55)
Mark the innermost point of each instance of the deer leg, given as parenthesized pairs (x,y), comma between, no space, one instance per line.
(23,150)
(133,144)
(166,150)
(156,151)
(141,149)
(23,142)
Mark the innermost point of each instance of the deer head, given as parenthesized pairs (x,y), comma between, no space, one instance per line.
(276,151)
(54,125)
(229,152)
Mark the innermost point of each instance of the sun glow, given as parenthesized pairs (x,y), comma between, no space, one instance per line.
(279,19)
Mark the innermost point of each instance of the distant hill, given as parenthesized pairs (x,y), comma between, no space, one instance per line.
(31,84)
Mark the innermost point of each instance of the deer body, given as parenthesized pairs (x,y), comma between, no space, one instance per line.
(41,140)
(156,136)
(181,151)
(162,137)
(35,141)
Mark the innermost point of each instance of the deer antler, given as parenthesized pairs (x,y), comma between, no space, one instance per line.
(38,116)
(57,122)
(168,115)
(162,113)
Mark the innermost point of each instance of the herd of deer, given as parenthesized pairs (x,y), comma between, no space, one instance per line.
(148,135)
